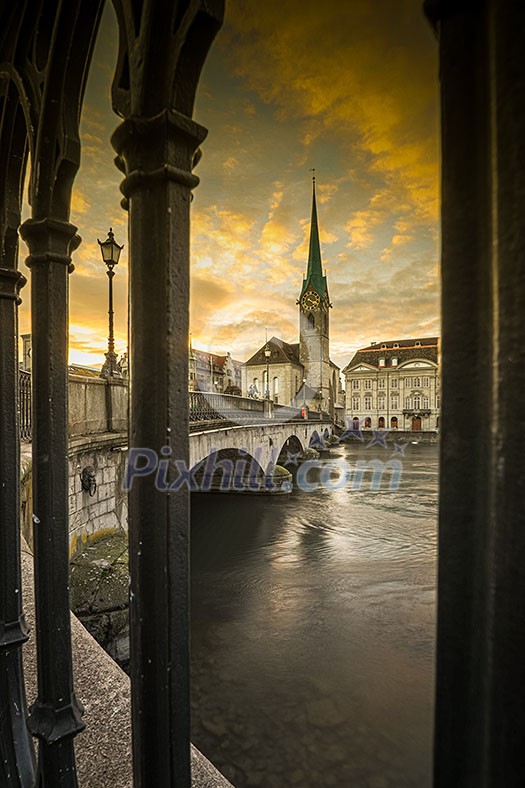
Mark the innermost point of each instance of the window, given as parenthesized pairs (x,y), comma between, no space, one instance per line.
(381,362)
(311,321)
(355,403)
(417,343)
(395,403)
(381,383)
(426,402)
(356,384)
(275,386)
(426,382)
(381,403)
(408,382)
(383,347)
(395,383)
(396,344)
(368,383)
(417,402)
(438,401)
(408,402)
(368,402)
(394,361)
(416,383)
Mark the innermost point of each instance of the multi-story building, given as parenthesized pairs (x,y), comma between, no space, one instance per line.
(394,385)
(301,373)
(214,372)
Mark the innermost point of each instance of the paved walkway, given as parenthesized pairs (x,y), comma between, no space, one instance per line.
(104,748)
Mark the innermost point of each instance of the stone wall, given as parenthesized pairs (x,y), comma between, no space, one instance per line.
(106,511)
(98,414)
(97,405)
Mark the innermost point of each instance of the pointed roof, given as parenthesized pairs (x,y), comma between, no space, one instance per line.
(314,273)
(282,352)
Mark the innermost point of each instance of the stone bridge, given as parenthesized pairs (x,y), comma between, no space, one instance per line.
(225,432)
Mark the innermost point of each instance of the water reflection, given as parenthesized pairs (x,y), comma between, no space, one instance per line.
(312,634)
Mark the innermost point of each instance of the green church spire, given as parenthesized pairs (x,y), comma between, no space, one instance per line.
(314,273)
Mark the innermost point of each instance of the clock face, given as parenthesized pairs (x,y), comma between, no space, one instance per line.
(310,300)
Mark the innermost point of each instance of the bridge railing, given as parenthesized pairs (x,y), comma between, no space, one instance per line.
(24,404)
(213,406)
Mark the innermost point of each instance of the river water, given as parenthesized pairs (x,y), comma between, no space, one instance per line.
(313,619)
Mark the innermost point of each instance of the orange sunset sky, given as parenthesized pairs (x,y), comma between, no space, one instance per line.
(348,88)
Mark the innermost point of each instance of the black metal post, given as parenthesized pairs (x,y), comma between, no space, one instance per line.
(158,153)
(56,714)
(17,760)
(480,682)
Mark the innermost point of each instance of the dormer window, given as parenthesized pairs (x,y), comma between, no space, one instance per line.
(418,343)
(383,347)
(394,361)
(396,344)
(381,362)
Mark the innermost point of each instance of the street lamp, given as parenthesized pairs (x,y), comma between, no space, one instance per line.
(304,392)
(110,251)
(267,354)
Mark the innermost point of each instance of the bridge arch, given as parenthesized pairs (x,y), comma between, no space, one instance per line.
(228,469)
(291,446)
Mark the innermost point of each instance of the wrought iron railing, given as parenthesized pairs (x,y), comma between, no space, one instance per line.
(24,404)
(212,406)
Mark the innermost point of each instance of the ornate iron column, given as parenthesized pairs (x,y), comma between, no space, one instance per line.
(50,50)
(17,757)
(159,65)
(17,760)
(55,717)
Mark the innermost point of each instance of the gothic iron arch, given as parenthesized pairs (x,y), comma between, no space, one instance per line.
(45,52)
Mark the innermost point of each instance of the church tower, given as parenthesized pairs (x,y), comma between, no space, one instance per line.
(314,333)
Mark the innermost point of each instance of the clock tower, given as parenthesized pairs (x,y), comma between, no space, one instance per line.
(314,334)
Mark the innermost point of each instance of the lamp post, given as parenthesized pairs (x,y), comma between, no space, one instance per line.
(110,251)
(267,354)
(304,392)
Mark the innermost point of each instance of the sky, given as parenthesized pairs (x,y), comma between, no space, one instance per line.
(350,89)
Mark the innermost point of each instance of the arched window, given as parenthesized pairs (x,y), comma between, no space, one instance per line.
(275,389)
(381,362)
(393,422)
(311,321)
(417,402)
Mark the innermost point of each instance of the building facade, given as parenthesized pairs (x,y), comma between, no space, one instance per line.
(395,385)
(214,372)
(301,374)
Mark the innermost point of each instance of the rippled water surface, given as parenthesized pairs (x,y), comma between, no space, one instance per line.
(313,631)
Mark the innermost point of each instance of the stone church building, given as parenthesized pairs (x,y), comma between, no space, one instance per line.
(301,374)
